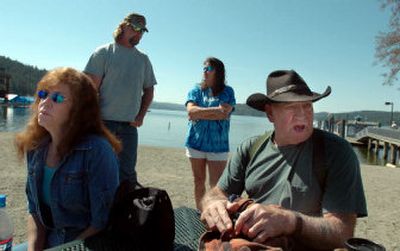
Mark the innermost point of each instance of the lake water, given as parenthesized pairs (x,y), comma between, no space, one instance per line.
(160,128)
(168,128)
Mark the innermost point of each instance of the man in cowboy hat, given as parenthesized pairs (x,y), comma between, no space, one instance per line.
(315,202)
(124,77)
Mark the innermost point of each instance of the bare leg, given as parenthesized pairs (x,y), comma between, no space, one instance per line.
(199,175)
(215,169)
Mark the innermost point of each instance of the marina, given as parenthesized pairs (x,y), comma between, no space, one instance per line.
(383,142)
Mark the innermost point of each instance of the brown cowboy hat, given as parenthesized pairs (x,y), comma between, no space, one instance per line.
(284,86)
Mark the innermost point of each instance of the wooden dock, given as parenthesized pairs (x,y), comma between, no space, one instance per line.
(372,136)
(386,138)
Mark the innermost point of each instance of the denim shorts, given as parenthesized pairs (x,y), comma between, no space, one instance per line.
(196,154)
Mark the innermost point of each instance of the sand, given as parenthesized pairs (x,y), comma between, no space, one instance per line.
(169,169)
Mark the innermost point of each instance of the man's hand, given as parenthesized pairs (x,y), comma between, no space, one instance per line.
(261,222)
(147,97)
(138,122)
(216,216)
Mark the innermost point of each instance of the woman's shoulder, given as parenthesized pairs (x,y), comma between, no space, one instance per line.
(228,90)
(195,90)
(196,87)
(227,94)
(93,141)
(40,149)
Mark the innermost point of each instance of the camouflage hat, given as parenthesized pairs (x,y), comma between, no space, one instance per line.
(137,21)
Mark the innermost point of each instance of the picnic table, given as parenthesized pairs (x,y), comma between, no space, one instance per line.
(188,229)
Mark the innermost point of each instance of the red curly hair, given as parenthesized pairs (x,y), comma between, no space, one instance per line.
(84,117)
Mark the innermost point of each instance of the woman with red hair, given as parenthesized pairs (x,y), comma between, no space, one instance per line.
(71,161)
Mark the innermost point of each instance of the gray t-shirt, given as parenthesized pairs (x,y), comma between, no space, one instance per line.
(266,178)
(125,73)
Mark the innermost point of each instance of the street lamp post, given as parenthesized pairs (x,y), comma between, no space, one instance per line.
(391,112)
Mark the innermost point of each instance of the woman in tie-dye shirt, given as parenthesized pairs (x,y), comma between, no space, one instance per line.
(209,107)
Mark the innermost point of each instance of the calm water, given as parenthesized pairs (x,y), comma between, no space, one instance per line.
(168,129)
(13,119)
(161,127)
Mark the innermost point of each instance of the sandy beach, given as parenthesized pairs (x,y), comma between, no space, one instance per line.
(169,169)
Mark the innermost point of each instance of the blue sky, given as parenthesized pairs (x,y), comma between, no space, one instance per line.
(328,42)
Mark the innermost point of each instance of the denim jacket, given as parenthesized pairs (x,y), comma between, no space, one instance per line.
(82,188)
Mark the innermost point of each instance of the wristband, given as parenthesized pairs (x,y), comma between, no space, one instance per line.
(299,225)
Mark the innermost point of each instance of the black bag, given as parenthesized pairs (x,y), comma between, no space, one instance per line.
(142,217)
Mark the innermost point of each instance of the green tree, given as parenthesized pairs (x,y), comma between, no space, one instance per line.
(23,77)
(388,43)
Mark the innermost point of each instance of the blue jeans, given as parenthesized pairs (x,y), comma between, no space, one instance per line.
(127,157)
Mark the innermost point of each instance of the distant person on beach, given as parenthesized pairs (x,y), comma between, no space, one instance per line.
(209,107)
(124,77)
(305,183)
(71,161)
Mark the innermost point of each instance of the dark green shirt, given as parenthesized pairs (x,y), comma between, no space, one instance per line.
(267,179)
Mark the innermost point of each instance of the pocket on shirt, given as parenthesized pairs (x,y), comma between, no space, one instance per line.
(299,196)
(304,199)
(74,191)
(300,188)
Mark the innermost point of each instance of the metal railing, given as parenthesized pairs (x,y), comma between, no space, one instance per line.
(384,134)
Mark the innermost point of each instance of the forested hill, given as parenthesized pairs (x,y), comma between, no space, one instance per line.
(23,77)
(243,109)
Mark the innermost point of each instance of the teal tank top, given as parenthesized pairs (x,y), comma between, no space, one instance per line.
(48,173)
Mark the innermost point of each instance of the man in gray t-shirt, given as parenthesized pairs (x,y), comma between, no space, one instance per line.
(281,177)
(124,77)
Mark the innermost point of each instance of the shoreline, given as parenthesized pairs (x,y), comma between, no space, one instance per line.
(169,169)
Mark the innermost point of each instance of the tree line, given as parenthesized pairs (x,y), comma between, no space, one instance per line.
(23,77)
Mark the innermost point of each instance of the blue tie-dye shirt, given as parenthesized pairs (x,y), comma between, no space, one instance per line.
(209,135)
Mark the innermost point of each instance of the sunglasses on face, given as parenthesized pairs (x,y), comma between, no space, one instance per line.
(138,29)
(55,96)
(208,68)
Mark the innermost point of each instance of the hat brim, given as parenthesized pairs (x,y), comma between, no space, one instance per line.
(259,100)
(143,28)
